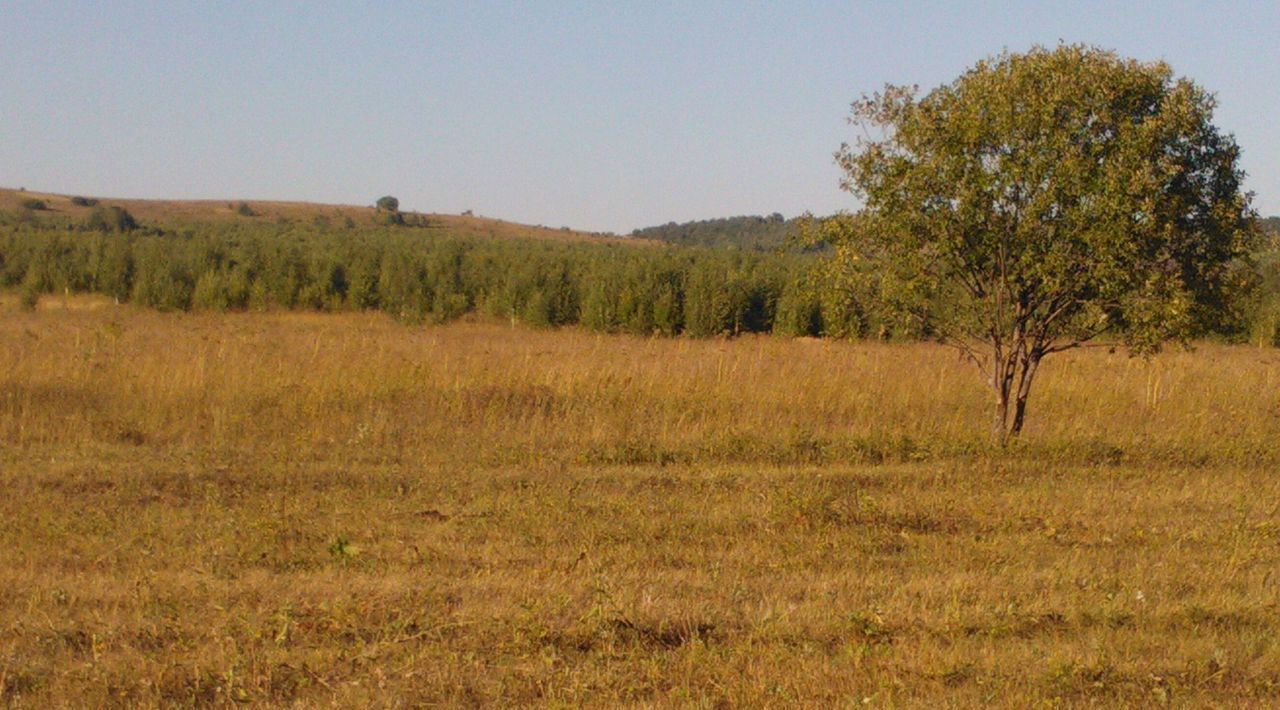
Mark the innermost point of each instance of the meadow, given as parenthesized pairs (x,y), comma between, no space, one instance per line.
(296,509)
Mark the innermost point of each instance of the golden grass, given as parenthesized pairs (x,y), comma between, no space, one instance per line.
(310,509)
(169,213)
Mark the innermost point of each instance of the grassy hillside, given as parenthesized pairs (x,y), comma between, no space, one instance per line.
(175,213)
(292,509)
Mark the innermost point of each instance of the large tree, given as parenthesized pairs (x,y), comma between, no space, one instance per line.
(1044,200)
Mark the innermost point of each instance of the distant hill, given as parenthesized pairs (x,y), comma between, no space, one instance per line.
(747,232)
(174,213)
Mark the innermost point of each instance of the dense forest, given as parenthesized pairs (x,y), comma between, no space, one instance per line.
(420,272)
(749,232)
(423,274)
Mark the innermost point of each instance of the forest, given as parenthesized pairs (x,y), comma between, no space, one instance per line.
(752,232)
(425,271)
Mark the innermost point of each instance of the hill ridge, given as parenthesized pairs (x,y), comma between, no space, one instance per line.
(171,213)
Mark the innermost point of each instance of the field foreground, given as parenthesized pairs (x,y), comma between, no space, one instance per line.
(289,509)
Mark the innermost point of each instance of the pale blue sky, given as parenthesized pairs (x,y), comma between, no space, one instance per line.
(596,115)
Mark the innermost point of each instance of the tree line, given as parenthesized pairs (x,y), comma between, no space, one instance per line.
(427,275)
(754,232)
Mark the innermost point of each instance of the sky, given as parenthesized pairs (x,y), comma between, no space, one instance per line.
(602,115)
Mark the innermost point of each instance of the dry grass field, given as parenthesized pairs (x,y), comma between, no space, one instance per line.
(289,509)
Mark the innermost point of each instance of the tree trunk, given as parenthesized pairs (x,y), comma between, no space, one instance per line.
(1029,365)
(1019,413)
(1000,424)
(1012,384)
(1000,383)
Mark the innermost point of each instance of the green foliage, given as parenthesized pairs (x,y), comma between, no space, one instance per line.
(256,265)
(83,201)
(222,290)
(388,203)
(748,232)
(111,263)
(1261,304)
(244,210)
(111,219)
(29,298)
(713,299)
(1042,200)
(435,277)
(161,281)
(799,312)
(34,204)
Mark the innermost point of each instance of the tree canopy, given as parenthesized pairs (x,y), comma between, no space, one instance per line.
(1041,201)
(754,232)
